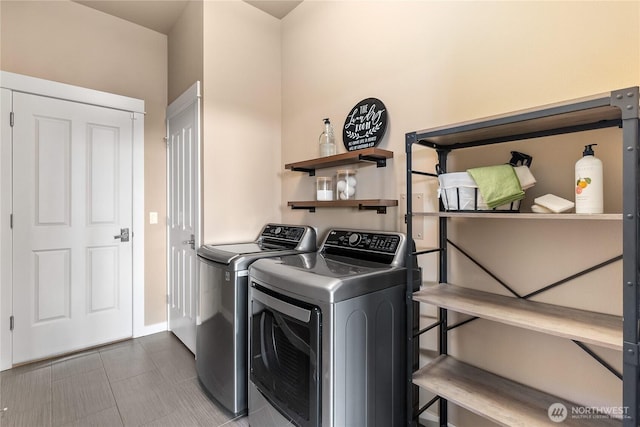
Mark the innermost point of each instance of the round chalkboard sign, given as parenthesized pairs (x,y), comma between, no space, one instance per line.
(365,125)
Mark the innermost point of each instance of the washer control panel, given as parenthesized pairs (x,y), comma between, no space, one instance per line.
(299,237)
(284,232)
(359,241)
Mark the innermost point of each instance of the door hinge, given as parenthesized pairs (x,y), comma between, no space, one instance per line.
(11,221)
(11,323)
(11,119)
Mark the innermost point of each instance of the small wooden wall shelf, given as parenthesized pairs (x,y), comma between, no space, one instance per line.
(379,205)
(368,155)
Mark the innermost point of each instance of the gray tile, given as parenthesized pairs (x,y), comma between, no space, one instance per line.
(126,362)
(39,416)
(119,345)
(179,418)
(238,422)
(77,364)
(145,381)
(19,370)
(71,356)
(176,364)
(202,408)
(107,418)
(26,389)
(160,341)
(144,398)
(80,395)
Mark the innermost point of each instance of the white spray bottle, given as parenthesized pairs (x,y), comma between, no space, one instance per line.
(588,183)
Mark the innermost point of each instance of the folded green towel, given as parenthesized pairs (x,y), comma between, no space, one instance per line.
(498,184)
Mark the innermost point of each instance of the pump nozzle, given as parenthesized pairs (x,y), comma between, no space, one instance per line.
(588,151)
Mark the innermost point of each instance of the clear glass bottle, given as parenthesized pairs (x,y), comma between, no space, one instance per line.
(327,140)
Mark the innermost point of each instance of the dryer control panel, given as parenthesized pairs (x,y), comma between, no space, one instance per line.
(366,245)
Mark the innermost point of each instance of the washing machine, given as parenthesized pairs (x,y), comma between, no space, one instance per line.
(327,334)
(221,326)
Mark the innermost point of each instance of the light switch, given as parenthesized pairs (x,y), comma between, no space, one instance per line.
(153,217)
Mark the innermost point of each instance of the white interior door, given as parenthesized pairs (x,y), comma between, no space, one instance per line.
(183,200)
(72,194)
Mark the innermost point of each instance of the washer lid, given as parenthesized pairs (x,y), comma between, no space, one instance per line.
(274,239)
(226,253)
(328,278)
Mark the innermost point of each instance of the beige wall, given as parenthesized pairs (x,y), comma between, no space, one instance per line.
(186,50)
(242,113)
(70,43)
(436,63)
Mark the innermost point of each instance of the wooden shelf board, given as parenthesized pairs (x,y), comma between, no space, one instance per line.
(355,203)
(523,215)
(368,155)
(503,401)
(604,330)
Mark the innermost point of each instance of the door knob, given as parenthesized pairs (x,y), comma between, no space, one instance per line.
(123,236)
(191,242)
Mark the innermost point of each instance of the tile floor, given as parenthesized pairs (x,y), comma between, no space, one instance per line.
(147,381)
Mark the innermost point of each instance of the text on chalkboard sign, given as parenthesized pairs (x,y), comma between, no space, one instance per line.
(365,125)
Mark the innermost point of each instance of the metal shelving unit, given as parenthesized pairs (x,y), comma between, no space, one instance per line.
(488,395)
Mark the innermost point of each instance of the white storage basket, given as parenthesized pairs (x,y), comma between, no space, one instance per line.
(459,192)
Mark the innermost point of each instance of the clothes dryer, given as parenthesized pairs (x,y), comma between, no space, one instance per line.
(327,334)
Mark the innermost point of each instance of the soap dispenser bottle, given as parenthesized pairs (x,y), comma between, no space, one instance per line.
(588,183)
(327,140)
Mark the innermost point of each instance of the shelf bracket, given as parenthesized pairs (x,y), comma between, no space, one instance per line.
(378,209)
(311,172)
(380,162)
(309,208)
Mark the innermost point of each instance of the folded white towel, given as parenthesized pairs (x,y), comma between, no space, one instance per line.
(554,203)
(526,178)
(540,209)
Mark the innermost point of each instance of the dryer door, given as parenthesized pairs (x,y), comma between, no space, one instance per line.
(285,354)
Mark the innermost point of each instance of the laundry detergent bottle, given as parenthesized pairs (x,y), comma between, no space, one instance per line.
(588,183)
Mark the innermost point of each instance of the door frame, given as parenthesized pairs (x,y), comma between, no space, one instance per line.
(185,100)
(36,86)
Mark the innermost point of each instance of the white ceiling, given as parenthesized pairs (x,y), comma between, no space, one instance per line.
(279,9)
(160,15)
